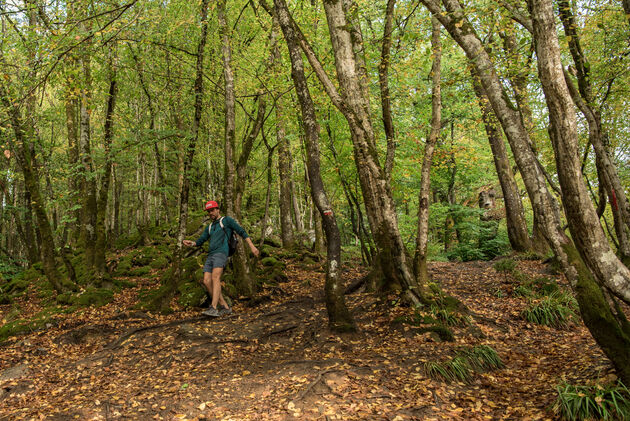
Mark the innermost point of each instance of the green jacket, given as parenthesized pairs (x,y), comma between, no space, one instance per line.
(218,238)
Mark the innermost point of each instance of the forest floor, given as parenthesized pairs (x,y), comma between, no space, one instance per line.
(279,361)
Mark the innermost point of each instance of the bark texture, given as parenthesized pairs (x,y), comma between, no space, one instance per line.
(515,215)
(338,315)
(422,236)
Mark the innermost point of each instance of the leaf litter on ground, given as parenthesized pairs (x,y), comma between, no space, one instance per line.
(279,361)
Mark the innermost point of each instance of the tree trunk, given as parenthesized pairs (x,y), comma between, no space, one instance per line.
(31,181)
(338,315)
(284,156)
(583,98)
(591,242)
(586,230)
(383,79)
(101,232)
(420,268)
(88,180)
(515,216)
(375,187)
(230,112)
(244,283)
(190,153)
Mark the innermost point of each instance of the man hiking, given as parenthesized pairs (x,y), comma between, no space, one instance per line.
(218,232)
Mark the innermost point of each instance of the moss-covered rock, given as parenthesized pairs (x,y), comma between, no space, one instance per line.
(126,241)
(159,263)
(272,262)
(191,294)
(94,297)
(140,271)
(123,267)
(17,285)
(14,328)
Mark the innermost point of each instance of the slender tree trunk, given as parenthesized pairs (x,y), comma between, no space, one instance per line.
(88,181)
(383,79)
(230,112)
(285,173)
(101,232)
(190,153)
(31,181)
(243,281)
(420,269)
(338,315)
(263,224)
(515,215)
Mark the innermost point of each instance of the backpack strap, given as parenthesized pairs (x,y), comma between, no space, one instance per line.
(222,227)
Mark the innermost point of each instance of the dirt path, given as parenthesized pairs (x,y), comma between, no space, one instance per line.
(278,361)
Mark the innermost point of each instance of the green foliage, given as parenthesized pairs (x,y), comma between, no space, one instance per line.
(610,402)
(464,364)
(556,310)
(523,291)
(477,240)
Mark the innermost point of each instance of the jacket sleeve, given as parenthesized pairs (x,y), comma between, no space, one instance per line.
(231,222)
(203,237)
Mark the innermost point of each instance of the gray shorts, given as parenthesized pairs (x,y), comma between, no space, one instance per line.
(216,260)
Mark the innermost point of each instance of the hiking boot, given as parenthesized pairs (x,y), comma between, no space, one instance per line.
(223,311)
(212,312)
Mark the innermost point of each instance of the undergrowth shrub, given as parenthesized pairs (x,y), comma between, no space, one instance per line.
(505,265)
(477,239)
(555,310)
(609,402)
(463,366)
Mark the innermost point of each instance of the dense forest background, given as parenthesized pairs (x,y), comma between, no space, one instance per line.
(394,132)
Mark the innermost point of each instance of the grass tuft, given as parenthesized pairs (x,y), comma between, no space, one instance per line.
(464,365)
(611,402)
(556,310)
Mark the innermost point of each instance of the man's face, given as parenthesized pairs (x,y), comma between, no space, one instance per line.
(213,213)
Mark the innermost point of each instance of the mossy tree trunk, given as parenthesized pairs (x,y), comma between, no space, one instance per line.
(339,318)
(101,232)
(244,282)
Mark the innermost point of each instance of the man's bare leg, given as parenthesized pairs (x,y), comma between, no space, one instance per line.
(217,296)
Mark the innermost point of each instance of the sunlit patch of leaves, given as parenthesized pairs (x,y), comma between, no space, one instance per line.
(556,310)
(611,402)
(463,366)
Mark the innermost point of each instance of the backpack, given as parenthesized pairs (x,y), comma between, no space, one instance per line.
(232,240)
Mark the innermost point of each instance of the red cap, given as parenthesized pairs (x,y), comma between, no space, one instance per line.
(211,204)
